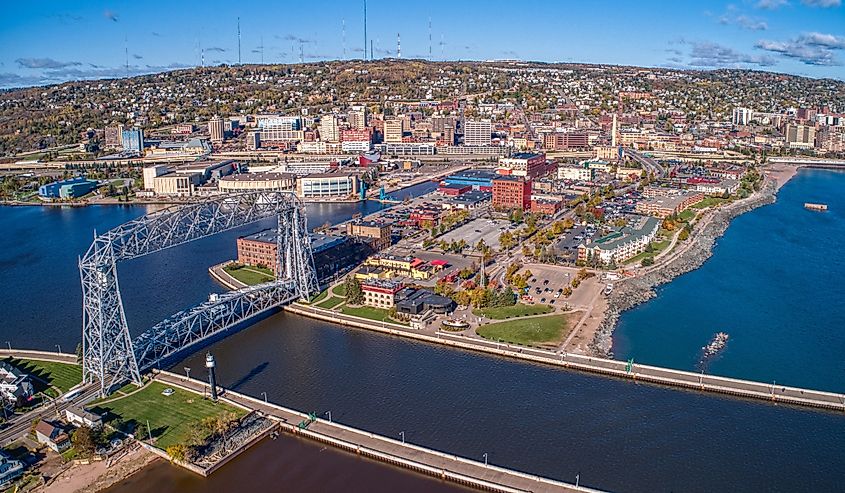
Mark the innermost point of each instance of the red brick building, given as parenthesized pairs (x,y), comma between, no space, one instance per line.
(548,207)
(352,135)
(511,192)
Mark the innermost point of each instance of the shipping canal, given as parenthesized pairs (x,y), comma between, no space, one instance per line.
(615,434)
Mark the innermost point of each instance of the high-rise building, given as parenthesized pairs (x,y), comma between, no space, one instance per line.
(114,136)
(357,117)
(742,116)
(478,132)
(133,140)
(800,136)
(329,130)
(394,129)
(216,129)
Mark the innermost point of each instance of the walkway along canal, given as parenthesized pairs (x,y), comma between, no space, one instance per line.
(396,452)
(603,366)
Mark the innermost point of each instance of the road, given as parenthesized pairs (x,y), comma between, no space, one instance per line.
(19,425)
(649,164)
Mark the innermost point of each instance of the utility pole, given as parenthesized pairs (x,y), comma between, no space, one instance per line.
(398,46)
(429,39)
(239,40)
(343,35)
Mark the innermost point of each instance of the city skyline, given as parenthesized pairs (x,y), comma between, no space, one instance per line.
(115,39)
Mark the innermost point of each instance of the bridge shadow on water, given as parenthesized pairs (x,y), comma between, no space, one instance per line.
(257,370)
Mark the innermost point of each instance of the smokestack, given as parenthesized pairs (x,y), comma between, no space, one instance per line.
(613,132)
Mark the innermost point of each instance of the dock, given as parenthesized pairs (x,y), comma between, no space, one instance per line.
(447,467)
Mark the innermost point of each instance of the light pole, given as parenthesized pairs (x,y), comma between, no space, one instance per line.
(264,394)
(485,459)
(187,372)
(60,348)
(402,434)
(577,480)
(9,344)
(329,413)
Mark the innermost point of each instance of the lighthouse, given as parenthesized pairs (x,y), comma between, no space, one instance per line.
(212,378)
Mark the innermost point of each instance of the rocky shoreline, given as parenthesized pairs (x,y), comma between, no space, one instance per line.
(632,292)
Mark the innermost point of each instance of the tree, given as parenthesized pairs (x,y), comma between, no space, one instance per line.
(506,240)
(178,452)
(354,293)
(647,261)
(567,291)
(480,246)
(83,441)
(683,235)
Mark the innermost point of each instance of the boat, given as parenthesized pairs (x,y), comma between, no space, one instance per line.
(716,344)
(815,207)
(608,289)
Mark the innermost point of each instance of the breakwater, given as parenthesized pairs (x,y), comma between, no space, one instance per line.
(632,292)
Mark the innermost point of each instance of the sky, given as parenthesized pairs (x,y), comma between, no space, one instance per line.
(54,41)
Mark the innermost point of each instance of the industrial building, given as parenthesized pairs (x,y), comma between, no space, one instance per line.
(327,185)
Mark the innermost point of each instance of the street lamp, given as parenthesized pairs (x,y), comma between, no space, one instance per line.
(60,348)
(9,344)
(485,459)
(577,479)
(187,372)
(402,434)
(265,397)
(329,413)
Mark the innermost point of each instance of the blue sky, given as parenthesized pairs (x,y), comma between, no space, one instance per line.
(54,41)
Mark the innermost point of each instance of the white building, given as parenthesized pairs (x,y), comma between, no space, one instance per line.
(327,185)
(578,173)
(742,116)
(351,146)
(478,133)
(329,130)
(620,245)
(14,383)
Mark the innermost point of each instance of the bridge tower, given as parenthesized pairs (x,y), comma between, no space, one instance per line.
(110,356)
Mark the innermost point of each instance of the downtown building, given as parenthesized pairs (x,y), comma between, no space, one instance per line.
(511,192)
(478,133)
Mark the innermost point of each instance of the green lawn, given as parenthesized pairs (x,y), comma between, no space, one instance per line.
(709,202)
(171,418)
(686,215)
(339,290)
(369,312)
(657,247)
(60,375)
(320,297)
(550,330)
(331,303)
(249,275)
(518,310)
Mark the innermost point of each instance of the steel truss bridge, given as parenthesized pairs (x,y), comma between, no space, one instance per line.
(110,356)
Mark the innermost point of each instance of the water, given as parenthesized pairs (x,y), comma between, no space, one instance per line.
(616,434)
(774,284)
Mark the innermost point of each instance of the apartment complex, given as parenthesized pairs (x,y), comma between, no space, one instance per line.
(620,245)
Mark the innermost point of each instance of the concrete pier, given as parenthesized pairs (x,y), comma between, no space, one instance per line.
(644,373)
(423,460)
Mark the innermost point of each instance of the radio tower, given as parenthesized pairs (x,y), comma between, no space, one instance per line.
(343,37)
(365,30)
(126,52)
(429,39)
(398,46)
(239,40)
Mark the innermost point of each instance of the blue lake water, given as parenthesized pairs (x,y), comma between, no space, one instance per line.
(774,284)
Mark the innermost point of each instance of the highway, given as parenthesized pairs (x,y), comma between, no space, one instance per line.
(649,164)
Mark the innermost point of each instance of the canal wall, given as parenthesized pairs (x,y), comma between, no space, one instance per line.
(53,356)
(769,392)
(447,467)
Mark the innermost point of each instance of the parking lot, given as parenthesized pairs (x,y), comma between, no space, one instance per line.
(486,229)
(550,280)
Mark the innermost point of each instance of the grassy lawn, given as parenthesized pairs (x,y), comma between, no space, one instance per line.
(339,290)
(320,297)
(61,375)
(709,202)
(657,247)
(686,215)
(528,331)
(331,303)
(171,418)
(369,312)
(249,275)
(518,310)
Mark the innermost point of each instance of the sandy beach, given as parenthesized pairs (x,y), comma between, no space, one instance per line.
(98,476)
(781,173)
